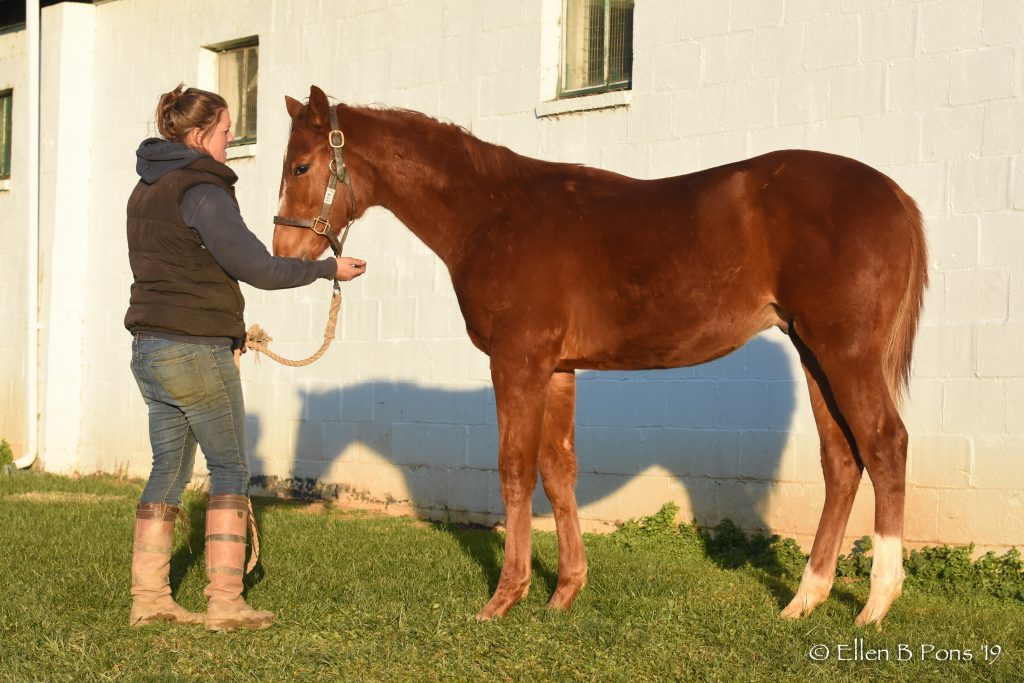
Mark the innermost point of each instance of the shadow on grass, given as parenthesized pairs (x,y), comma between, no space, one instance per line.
(484,546)
(779,561)
(549,576)
(190,551)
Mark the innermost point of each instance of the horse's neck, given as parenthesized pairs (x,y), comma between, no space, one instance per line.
(433,190)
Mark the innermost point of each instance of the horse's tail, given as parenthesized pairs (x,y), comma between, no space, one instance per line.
(899,345)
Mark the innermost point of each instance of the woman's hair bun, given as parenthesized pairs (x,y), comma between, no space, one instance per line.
(181,110)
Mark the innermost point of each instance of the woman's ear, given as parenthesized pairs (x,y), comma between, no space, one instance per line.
(194,138)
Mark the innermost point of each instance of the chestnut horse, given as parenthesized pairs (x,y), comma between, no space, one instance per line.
(559,267)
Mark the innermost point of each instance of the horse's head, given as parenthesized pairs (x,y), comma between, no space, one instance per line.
(316,197)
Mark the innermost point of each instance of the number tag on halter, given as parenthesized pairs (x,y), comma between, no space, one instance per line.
(329,196)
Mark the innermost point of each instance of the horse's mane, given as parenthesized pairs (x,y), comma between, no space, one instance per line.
(488,159)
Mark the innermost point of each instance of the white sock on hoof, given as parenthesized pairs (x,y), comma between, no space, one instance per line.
(886,578)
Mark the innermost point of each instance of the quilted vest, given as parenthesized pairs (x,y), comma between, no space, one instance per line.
(179,288)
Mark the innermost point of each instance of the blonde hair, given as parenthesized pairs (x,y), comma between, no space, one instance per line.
(181,110)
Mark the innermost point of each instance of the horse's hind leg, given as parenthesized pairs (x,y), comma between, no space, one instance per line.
(882,444)
(558,472)
(842,476)
(880,439)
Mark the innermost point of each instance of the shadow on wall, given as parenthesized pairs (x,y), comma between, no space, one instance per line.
(716,432)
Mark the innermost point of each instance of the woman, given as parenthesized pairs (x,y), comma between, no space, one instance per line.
(189,248)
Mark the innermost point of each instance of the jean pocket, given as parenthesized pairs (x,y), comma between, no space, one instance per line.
(180,378)
(153,348)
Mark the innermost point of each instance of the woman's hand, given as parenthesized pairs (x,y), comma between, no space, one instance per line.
(349,268)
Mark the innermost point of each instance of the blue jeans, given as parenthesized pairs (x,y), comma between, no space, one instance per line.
(194,394)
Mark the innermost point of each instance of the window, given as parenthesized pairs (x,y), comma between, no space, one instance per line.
(598,46)
(6,99)
(237,70)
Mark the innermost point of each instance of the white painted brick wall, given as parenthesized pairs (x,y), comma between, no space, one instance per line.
(400,411)
(66,120)
(13,213)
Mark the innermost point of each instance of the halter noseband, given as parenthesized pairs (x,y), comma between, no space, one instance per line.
(321,225)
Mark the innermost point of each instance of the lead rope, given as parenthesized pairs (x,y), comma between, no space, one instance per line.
(259,340)
(254,534)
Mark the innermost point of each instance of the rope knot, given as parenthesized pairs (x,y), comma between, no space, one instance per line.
(257,335)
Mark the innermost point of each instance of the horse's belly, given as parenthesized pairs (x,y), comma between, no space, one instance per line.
(666,344)
(646,357)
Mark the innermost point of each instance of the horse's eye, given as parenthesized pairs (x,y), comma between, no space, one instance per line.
(301,168)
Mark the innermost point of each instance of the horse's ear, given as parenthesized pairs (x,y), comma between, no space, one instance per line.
(318,104)
(293,106)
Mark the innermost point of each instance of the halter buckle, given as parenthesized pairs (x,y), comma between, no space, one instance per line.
(336,139)
(321,221)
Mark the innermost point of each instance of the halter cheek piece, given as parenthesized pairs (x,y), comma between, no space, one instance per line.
(321,225)
(257,338)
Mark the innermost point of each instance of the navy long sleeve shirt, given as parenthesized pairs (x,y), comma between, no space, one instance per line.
(209,210)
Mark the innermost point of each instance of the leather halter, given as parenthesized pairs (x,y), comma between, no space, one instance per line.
(321,225)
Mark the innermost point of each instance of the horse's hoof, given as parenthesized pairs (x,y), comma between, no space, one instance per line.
(564,596)
(792,612)
(801,605)
(872,614)
(883,594)
(559,604)
(494,609)
(488,613)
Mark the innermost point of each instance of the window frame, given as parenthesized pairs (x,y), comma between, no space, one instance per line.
(6,133)
(238,111)
(606,85)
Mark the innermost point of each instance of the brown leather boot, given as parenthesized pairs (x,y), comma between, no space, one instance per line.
(151,566)
(227,519)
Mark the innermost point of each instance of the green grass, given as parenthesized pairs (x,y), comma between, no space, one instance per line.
(365,598)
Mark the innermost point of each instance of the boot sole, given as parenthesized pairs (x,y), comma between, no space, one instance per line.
(166,619)
(239,624)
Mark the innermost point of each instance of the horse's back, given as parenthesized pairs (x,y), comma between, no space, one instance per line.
(680,270)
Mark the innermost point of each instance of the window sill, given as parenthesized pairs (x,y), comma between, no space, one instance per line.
(242,151)
(574,105)
(5,184)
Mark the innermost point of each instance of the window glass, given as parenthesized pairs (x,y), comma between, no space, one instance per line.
(237,70)
(597,46)
(6,100)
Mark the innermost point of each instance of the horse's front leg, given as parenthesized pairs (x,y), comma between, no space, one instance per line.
(520,391)
(558,472)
